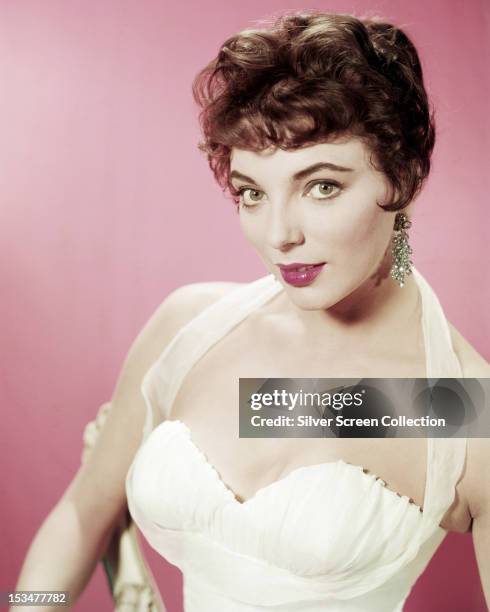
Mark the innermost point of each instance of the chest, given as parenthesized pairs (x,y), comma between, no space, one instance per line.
(208,398)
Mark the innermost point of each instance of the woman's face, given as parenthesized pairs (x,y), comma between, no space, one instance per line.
(313,205)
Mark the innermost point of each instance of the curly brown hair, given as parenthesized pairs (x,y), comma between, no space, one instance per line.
(311,77)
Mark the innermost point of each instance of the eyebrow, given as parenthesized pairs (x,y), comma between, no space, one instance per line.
(299,175)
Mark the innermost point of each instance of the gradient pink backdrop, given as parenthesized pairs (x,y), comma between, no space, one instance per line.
(107,205)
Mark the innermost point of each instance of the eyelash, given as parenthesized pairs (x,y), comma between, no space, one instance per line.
(239,192)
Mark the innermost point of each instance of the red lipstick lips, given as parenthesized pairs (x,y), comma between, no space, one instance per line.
(300,274)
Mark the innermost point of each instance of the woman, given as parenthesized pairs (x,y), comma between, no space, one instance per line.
(320,129)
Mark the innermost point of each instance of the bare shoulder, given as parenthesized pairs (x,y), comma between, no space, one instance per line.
(178,308)
(186,302)
(194,297)
(473,364)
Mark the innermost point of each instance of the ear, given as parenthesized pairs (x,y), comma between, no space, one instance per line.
(390,193)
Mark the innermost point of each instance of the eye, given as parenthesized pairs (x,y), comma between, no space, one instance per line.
(253,197)
(326,190)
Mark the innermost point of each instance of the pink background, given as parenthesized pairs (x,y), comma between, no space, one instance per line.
(106,205)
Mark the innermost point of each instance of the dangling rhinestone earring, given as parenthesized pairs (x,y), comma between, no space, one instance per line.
(401,250)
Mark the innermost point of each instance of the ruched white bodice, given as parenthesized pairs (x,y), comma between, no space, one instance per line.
(325,537)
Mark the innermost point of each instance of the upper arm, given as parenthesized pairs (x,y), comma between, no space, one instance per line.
(477,489)
(98,488)
(479,502)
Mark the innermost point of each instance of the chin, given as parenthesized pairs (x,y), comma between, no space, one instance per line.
(311,297)
(320,296)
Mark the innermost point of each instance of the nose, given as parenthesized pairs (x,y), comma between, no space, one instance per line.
(283,229)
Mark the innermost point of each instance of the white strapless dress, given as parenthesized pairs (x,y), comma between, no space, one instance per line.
(325,537)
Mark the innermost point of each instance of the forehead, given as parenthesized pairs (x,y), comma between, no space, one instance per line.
(349,152)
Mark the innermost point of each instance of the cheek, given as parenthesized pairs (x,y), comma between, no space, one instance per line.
(252,229)
(357,232)
(353,228)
